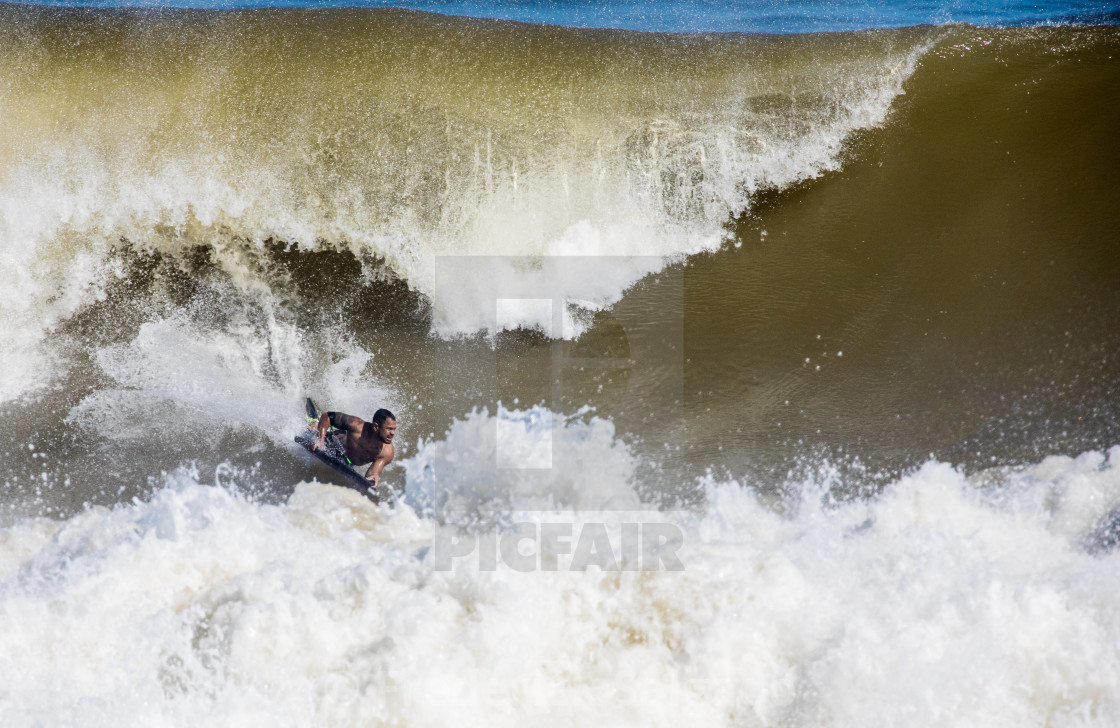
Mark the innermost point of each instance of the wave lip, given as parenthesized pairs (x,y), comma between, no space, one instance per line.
(405,138)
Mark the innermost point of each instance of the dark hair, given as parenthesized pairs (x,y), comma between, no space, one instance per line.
(381,415)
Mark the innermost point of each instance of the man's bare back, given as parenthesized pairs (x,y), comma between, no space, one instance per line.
(364,442)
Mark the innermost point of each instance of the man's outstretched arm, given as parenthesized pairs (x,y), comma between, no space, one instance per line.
(339,420)
(374,473)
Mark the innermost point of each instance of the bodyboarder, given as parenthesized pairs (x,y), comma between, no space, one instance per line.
(361,442)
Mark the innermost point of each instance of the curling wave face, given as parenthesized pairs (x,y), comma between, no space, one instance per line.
(402,137)
(205,216)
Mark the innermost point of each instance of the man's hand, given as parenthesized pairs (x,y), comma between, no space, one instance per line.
(320,442)
(373,475)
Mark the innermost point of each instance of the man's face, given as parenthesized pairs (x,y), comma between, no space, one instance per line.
(386,430)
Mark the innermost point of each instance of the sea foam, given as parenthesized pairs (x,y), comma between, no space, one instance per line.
(943,600)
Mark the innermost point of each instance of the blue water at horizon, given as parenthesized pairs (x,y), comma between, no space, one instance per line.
(700,16)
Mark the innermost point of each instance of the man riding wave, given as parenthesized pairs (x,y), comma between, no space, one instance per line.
(361,442)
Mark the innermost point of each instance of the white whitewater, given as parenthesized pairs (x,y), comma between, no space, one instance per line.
(939,602)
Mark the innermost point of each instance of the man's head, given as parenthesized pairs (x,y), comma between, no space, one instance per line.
(385,424)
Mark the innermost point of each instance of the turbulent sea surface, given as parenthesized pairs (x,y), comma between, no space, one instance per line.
(842,309)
